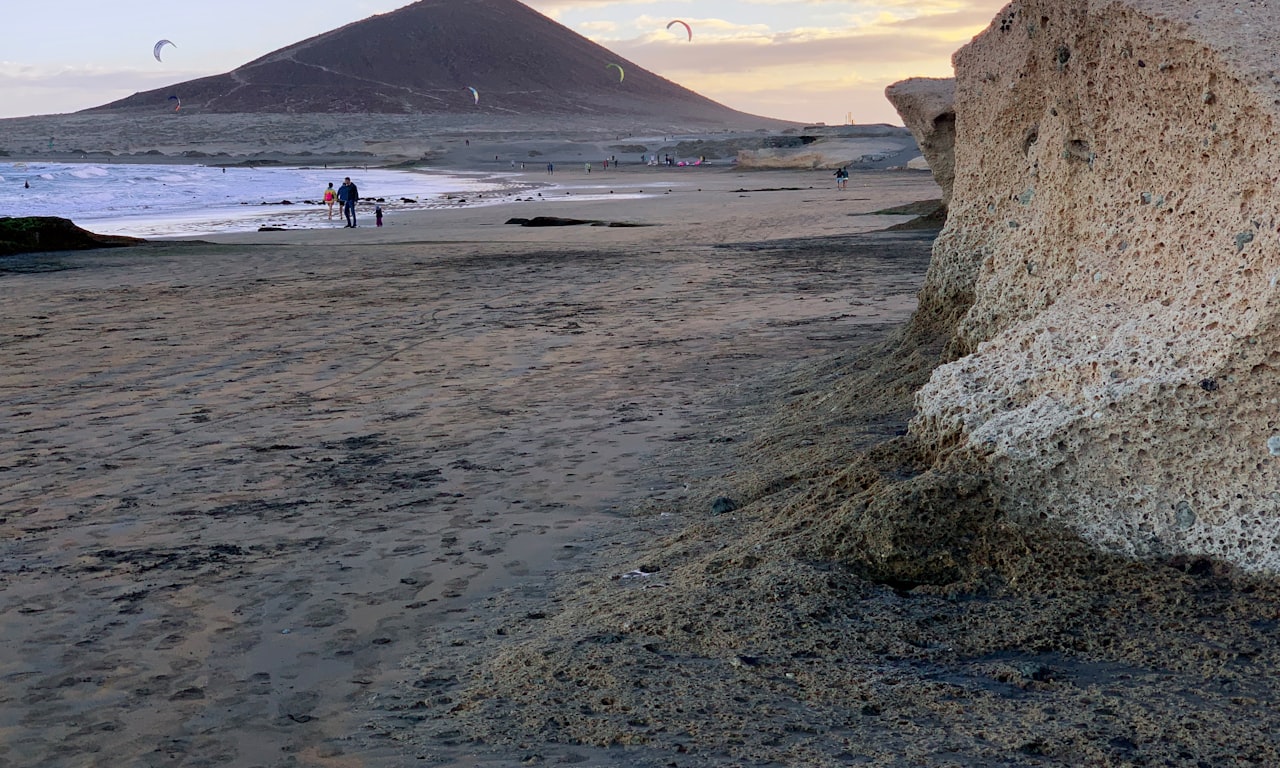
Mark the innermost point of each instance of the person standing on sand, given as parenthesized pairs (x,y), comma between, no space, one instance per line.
(550,169)
(342,200)
(353,195)
(377,214)
(348,194)
(330,197)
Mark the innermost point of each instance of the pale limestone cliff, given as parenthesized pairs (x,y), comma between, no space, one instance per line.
(1113,235)
(927,107)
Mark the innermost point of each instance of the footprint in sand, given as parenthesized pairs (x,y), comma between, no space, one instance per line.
(344,642)
(297,707)
(324,614)
(568,552)
(169,642)
(417,580)
(455,587)
(258,684)
(516,568)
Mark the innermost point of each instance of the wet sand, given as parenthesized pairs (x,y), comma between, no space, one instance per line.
(251,482)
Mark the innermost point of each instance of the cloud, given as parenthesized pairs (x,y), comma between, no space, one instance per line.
(798,59)
(598,30)
(971,19)
(753,55)
(556,9)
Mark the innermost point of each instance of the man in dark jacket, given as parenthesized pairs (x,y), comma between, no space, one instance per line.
(348,195)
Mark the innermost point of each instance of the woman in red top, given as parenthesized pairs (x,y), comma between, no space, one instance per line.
(330,197)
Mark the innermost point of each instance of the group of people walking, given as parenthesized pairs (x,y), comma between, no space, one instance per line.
(346,196)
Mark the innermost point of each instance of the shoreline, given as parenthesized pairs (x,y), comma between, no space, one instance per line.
(182,218)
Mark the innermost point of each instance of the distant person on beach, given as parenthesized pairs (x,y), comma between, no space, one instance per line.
(842,178)
(550,169)
(377,214)
(588,167)
(348,194)
(330,197)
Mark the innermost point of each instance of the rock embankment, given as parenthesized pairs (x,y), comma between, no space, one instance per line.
(927,106)
(863,147)
(1111,264)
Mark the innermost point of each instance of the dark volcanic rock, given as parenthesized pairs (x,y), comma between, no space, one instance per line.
(551,221)
(423,58)
(39,234)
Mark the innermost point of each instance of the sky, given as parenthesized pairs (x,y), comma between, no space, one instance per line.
(813,61)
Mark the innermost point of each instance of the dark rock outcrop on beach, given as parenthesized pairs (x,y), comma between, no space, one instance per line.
(559,221)
(424,59)
(41,234)
(550,221)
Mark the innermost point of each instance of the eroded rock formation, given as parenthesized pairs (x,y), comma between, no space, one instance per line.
(927,107)
(1113,236)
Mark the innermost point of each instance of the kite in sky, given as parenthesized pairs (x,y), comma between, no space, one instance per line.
(688,29)
(475,94)
(175,98)
(156,51)
(618,67)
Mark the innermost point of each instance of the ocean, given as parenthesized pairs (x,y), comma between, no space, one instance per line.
(184,200)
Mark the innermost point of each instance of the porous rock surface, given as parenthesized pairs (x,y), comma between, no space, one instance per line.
(1113,236)
(927,107)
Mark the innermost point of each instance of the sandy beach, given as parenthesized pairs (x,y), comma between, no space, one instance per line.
(248,477)
(705,464)
(459,492)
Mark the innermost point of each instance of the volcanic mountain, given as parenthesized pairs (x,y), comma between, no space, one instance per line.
(426,57)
